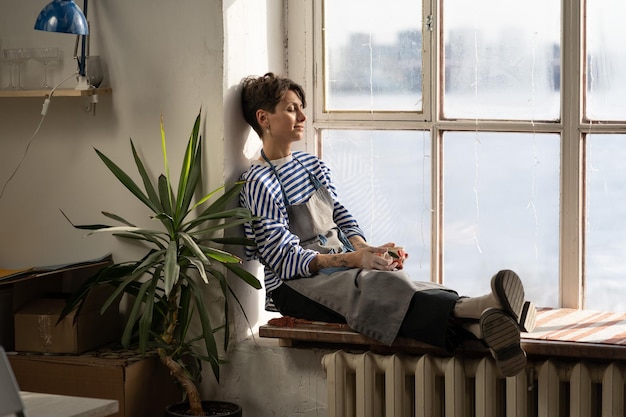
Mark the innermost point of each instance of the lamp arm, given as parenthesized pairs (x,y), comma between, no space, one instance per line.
(83,46)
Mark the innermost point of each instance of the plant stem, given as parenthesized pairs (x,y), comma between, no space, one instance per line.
(177,371)
(193,396)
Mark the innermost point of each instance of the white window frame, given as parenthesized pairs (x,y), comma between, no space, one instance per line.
(303,29)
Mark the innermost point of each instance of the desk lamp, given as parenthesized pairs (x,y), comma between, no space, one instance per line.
(66,17)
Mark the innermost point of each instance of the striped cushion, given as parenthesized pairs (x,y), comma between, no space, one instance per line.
(586,326)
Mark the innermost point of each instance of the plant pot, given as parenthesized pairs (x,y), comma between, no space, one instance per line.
(211,408)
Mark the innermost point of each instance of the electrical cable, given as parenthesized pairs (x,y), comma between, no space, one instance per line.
(44,111)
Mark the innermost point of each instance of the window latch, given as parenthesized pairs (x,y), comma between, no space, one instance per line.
(429,23)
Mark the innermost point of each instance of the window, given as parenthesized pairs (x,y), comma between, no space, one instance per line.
(479,135)
(391,205)
(371,65)
(500,210)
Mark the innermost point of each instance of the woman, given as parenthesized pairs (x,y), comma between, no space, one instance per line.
(318,265)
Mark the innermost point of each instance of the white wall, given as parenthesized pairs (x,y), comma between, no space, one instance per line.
(161,57)
(265,379)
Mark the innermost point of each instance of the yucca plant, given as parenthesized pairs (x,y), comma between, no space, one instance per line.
(186,251)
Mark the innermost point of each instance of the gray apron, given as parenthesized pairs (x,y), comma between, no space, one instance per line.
(373,302)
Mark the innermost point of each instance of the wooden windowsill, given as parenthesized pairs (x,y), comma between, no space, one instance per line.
(337,336)
(303,334)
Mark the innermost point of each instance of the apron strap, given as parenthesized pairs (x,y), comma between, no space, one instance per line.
(282,188)
(317,184)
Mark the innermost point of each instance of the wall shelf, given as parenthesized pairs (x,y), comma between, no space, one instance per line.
(66,92)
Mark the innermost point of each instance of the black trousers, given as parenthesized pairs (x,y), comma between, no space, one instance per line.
(428,319)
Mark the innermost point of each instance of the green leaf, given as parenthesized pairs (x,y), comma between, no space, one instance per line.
(145,322)
(218,227)
(238,212)
(127,181)
(246,276)
(107,275)
(208,197)
(166,166)
(200,267)
(117,229)
(124,281)
(134,314)
(224,287)
(191,172)
(193,247)
(134,232)
(143,237)
(153,258)
(85,227)
(185,312)
(166,200)
(207,332)
(222,202)
(232,293)
(220,255)
(172,269)
(147,183)
(243,215)
(117,218)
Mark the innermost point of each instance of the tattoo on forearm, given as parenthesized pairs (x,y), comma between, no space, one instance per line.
(358,242)
(346,260)
(327,261)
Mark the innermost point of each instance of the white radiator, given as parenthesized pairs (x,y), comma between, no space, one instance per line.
(372,385)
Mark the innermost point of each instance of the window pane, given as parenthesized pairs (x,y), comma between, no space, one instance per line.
(383,178)
(606,230)
(501,59)
(501,211)
(606,71)
(373,55)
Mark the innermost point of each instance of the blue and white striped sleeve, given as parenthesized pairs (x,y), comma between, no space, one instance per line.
(277,248)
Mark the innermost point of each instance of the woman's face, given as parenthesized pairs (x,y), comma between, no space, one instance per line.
(286,124)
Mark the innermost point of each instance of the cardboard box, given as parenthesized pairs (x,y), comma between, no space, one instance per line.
(142,386)
(20,291)
(37,330)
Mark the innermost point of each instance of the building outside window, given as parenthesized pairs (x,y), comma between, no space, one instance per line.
(479,135)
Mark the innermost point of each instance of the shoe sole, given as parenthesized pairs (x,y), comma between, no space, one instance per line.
(528,317)
(508,288)
(502,335)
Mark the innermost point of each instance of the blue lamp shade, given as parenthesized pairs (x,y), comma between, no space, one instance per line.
(62,16)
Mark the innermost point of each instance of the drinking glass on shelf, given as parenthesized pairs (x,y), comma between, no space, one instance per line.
(48,57)
(93,70)
(16,57)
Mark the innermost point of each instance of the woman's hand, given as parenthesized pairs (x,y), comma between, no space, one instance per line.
(364,256)
(397,253)
(376,258)
(394,259)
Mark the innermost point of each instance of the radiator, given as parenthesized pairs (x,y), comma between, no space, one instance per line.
(372,385)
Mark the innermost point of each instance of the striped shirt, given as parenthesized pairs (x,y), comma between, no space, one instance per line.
(277,248)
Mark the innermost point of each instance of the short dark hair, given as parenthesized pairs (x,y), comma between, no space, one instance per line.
(265,93)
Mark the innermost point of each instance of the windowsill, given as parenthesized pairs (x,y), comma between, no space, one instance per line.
(307,334)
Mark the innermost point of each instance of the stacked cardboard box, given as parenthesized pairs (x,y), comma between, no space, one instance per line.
(32,302)
(141,385)
(67,357)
